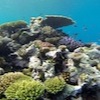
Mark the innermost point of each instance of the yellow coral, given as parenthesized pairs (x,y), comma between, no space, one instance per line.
(7,79)
(83,77)
(25,90)
(55,85)
(66,76)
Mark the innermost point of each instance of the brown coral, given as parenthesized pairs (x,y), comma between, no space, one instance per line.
(66,76)
(47,30)
(53,20)
(41,44)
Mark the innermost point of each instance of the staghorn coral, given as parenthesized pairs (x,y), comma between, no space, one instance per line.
(54,85)
(7,79)
(25,90)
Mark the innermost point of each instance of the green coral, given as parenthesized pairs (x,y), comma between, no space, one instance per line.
(55,85)
(7,79)
(25,90)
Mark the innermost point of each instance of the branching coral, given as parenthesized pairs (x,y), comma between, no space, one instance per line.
(7,79)
(55,85)
(25,90)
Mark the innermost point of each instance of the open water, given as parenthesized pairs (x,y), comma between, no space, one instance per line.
(86,13)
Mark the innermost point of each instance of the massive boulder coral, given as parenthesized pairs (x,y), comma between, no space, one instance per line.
(9,28)
(8,46)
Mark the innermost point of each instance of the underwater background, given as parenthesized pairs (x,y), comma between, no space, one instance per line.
(86,13)
(41,58)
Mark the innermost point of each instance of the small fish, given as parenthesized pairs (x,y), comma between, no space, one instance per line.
(75,25)
(75,35)
(80,40)
(84,28)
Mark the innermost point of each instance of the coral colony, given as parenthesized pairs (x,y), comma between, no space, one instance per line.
(38,61)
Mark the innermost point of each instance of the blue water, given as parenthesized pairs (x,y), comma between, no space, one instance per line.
(86,13)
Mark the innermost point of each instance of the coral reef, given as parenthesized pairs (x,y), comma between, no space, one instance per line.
(38,61)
